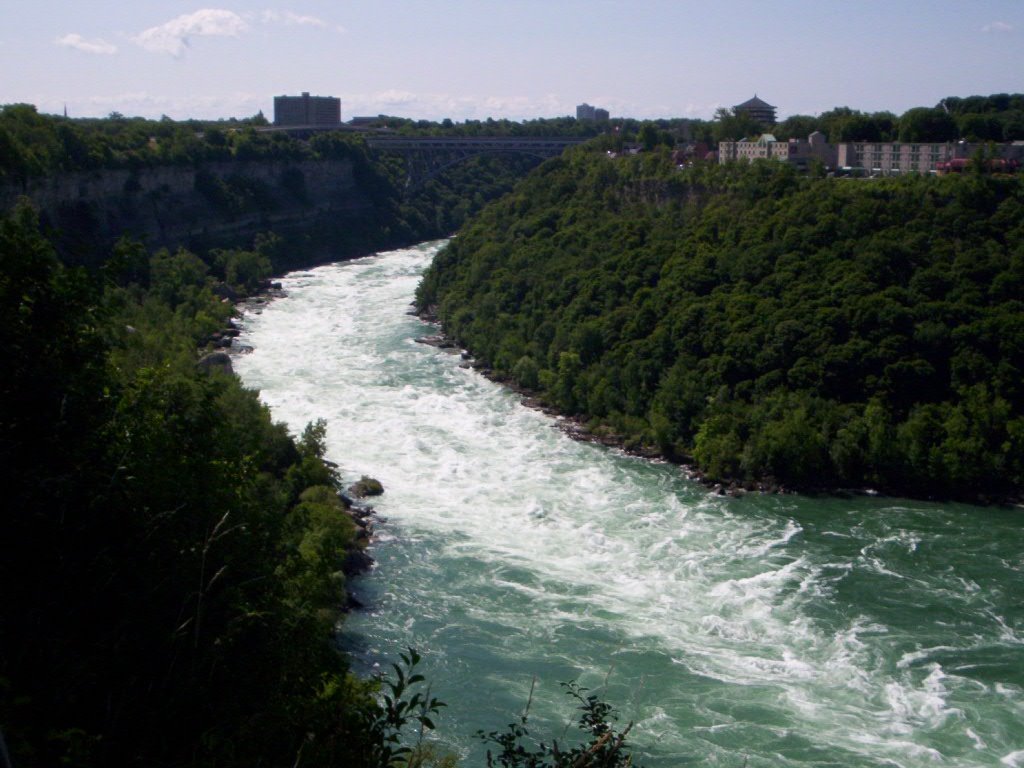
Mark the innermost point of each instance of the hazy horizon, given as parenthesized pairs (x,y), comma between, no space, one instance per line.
(517,60)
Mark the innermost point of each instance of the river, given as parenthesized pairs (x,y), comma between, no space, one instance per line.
(761,631)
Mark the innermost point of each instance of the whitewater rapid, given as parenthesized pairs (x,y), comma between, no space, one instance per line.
(762,630)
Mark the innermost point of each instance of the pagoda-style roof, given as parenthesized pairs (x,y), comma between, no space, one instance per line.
(754,103)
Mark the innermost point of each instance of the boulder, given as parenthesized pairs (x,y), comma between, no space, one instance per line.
(216,362)
(356,562)
(365,486)
(225,291)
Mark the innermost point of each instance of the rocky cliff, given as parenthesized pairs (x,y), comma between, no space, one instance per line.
(179,205)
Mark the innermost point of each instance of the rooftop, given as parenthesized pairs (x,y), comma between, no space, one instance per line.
(754,103)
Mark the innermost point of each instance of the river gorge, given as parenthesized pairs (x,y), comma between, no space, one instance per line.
(762,630)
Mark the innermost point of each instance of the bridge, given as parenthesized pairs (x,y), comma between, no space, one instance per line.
(427,157)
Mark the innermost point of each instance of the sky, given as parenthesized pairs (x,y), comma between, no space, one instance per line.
(516,59)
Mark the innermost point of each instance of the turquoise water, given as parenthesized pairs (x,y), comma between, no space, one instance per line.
(759,631)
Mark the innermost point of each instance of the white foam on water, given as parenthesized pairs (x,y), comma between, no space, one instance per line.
(550,553)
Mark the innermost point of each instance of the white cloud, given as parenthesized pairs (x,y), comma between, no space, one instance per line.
(395,97)
(79,43)
(997,26)
(291,19)
(153,105)
(173,37)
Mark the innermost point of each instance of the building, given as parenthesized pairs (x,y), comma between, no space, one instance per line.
(307,110)
(891,158)
(758,109)
(798,152)
(587,112)
(887,158)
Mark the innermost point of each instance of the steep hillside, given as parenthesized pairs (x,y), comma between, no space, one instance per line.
(202,186)
(821,332)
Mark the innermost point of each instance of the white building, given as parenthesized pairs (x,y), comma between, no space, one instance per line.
(798,152)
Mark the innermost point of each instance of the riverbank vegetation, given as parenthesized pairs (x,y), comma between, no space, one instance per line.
(172,559)
(821,332)
(175,563)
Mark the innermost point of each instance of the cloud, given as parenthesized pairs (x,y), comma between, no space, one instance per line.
(174,36)
(291,19)
(79,43)
(997,26)
(154,104)
(396,98)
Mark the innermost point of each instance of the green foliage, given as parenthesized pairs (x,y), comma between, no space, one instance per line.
(733,126)
(921,124)
(173,559)
(817,331)
(243,270)
(399,707)
(603,747)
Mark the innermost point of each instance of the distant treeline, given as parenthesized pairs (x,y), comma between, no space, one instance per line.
(976,118)
(999,117)
(818,331)
(33,144)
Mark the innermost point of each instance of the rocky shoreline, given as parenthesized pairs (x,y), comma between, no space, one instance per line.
(363,516)
(215,356)
(577,428)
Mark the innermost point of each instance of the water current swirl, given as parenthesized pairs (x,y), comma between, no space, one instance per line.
(758,631)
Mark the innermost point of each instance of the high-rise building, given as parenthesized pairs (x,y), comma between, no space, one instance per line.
(307,110)
(585,112)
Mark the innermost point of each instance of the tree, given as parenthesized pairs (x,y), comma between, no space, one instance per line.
(977,127)
(797,127)
(732,125)
(922,124)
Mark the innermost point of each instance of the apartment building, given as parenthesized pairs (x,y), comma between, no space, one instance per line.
(586,111)
(890,158)
(307,110)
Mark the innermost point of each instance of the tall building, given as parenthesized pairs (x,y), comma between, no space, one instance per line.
(307,110)
(587,112)
(758,109)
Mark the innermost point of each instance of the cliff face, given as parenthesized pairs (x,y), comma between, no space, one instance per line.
(177,205)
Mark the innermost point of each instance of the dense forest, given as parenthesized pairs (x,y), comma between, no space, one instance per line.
(821,332)
(172,559)
(174,562)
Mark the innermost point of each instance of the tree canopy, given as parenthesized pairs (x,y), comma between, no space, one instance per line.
(819,331)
